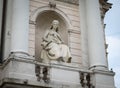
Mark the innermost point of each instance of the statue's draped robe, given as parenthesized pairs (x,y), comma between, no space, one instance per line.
(53,47)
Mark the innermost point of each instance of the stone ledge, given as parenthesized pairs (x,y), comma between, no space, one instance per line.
(13,78)
(67,66)
(55,64)
(20,83)
(111,73)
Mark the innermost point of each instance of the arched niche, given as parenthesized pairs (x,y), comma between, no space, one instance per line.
(43,22)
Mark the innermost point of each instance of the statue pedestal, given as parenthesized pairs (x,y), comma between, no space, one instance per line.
(103,79)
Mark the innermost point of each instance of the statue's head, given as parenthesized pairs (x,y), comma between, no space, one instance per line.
(55,24)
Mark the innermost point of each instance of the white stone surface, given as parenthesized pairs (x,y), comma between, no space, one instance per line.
(104,80)
(19,70)
(96,42)
(63,75)
(20,26)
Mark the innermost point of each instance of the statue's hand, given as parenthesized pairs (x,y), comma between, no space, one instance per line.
(43,43)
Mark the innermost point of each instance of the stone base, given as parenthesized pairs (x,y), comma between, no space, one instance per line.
(65,76)
(103,79)
(20,73)
(17,83)
(18,69)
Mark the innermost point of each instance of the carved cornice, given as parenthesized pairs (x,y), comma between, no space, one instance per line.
(70,1)
(104,7)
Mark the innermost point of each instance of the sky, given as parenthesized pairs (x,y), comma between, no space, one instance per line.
(112,30)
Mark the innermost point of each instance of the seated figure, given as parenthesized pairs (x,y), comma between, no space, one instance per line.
(53,46)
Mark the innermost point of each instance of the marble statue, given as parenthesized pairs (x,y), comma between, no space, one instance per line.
(53,46)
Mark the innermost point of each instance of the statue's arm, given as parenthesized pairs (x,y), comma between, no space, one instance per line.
(45,37)
(45,40)
(59,37)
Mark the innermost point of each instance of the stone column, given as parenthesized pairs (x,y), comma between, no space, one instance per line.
(20,26)
(96,43)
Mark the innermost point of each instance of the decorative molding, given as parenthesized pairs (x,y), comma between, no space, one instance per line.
(52,4)
(76,2)
(74,31)
(40,10)
(107,72)
(104,7)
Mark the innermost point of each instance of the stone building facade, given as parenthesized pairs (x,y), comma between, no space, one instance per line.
(22,25)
